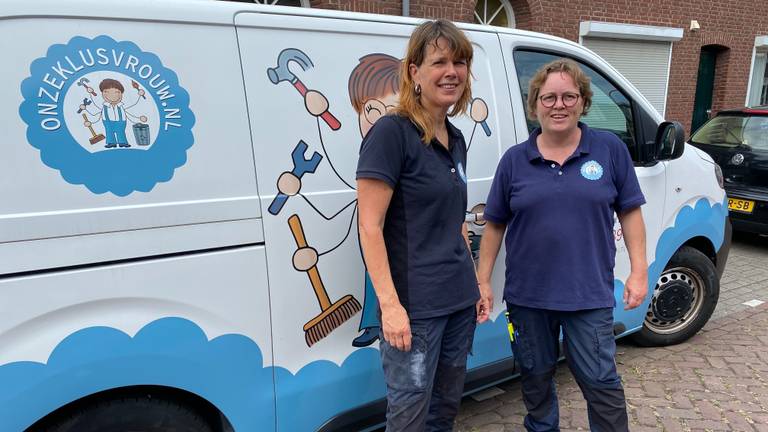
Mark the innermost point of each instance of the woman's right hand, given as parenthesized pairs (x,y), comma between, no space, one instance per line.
(396,327)
(485,304)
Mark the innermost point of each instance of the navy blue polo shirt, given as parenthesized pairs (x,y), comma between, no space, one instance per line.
(559,241)
(431,267)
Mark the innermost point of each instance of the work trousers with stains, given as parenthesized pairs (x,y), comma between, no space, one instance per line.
(425,384)
(589,348)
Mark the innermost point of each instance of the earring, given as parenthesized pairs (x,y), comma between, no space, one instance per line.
(417,89)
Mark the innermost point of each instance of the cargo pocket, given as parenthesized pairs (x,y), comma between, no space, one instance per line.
(522,347)
(406,370)
(605,350)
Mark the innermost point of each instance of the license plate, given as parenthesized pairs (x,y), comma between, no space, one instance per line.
(740,205)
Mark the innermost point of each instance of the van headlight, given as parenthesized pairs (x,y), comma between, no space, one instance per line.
(719,175)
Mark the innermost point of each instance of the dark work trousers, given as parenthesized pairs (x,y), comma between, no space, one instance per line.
(425,384)
(589,348)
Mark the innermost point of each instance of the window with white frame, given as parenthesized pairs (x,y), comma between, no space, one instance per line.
(495,12)
(758,84)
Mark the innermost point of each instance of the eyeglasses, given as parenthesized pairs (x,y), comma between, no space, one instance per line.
(550,99)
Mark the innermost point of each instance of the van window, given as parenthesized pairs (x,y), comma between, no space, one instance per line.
(734,130)
(611,110)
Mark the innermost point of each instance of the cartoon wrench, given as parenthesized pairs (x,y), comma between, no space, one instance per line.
(282,73)
(289,182)
(86,102)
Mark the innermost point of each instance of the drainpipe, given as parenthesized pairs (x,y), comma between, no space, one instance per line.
(406,8)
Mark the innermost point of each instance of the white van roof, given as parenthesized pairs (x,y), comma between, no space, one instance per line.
(209,12)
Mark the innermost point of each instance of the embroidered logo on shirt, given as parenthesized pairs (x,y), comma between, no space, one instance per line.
(107,115)
(461,173)
(591,170)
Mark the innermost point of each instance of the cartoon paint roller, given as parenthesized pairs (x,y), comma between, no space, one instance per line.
(135,85)
(333,314)
(94,136)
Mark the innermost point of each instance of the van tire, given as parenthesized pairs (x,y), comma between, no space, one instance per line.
(145,413)
(683,300)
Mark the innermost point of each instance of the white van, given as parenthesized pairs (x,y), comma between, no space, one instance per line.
(157,265)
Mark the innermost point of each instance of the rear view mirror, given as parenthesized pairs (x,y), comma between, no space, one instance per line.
(670,141)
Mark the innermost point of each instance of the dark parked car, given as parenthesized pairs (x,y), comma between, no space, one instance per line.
(738,142)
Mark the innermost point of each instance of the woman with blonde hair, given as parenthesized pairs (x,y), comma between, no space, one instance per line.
(412,194)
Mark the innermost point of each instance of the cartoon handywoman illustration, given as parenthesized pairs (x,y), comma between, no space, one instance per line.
(373,91)
(114,115)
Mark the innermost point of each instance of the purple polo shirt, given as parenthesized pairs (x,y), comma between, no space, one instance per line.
(560,244)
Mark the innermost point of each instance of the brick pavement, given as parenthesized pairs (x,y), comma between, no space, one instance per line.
(716,381)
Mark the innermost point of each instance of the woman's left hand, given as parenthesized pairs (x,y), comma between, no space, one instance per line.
(635,289)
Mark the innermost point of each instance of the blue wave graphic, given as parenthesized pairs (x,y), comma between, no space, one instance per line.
(700,220)
(228,371)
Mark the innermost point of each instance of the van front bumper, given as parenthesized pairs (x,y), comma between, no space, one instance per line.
(722,255)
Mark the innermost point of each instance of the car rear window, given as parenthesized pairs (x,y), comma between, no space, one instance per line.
(734,131)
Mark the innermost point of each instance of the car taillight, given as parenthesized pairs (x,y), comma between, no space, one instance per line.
(719,175)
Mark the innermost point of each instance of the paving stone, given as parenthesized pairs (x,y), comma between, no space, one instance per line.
(478,420)
(709,425)
(645,416)
(708,410)
(738,421)
(672,425)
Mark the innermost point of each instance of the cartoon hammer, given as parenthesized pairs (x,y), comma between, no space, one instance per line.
(282,73)
(83,83)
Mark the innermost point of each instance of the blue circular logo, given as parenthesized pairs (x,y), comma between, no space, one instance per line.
(107,115)
(591,170)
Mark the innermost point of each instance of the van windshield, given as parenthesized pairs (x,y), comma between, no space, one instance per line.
(734,130)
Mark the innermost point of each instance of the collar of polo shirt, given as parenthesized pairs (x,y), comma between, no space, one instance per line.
(533,153)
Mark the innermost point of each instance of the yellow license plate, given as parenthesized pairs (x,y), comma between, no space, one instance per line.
(740,205)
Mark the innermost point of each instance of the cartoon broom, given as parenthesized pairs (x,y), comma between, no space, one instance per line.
(333,314)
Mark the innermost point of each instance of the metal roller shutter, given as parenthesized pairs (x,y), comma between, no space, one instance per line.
(644,63)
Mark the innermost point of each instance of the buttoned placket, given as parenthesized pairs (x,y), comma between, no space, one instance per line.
(558,171)
(447,153)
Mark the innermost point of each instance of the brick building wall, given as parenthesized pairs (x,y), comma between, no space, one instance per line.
(728,26)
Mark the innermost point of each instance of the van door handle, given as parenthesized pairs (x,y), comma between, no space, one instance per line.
(474,217)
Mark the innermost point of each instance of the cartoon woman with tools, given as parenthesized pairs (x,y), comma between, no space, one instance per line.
(373,86)
(373,92)
(114,114)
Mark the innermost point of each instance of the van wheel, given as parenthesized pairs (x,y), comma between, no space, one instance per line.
(683,300)
(146,413)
